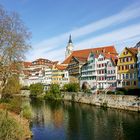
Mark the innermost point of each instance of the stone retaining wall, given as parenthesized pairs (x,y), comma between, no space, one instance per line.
(114,101)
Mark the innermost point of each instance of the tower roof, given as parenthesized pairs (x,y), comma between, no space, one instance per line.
(70,40)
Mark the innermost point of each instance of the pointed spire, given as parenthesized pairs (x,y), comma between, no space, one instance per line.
(70,41)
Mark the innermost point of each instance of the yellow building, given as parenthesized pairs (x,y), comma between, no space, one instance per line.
(60,75)
(127,69)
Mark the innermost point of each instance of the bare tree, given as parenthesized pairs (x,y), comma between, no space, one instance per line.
(14,42)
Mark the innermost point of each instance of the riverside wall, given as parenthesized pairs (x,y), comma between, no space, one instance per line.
(124,102)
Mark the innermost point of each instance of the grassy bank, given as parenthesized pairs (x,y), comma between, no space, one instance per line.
(14,119)
(13,127)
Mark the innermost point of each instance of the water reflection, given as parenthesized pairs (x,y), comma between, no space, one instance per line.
(72,121)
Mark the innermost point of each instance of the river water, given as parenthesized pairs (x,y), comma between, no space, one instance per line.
(73,121)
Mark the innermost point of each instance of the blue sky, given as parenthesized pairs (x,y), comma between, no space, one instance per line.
(92,23)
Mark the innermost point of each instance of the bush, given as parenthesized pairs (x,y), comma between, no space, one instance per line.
(119,93)
(110,92)
(55,88)
(25,88)
(36,89)
(12,87)
(15,104)
(26,112)
(53,93)
(71,87)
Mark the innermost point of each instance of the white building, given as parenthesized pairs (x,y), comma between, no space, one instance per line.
(100,71)
(89,72)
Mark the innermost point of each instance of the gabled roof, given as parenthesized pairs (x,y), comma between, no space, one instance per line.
(61,67)
(80,59)
(134,51)
(27,64)
(85,52)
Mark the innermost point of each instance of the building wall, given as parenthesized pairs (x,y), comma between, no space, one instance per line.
(112,74)
(60,77)
(102,72)
(89,73)
(127,70)
(138,64)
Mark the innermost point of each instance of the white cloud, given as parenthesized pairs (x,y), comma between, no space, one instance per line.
(113,37)
(49,48)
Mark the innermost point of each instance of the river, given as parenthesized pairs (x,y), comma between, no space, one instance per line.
(73,121)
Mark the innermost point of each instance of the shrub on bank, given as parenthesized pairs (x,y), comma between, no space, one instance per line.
(15,104)
(71,87)
(26,111)
(36,89)
(53,93)
(132,91)
(25,88)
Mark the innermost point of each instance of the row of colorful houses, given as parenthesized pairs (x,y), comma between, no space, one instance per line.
(97,68)
(103,67)
(43,71)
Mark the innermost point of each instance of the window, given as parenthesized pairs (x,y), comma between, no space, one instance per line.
(135,75)
(123,75)
(120,60)
(127,76)
(128,83)
(131,67)
(131,76)
(135,83)
(127,59)
(118,67)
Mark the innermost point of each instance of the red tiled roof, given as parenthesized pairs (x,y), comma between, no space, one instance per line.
(27,64)
(84,53)
(81,59)
(134,51)
(61,67)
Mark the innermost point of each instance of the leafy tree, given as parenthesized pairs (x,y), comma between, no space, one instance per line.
(55,88)
(14,38)
(36,89)
(53,93)
(12,87)
(71,87)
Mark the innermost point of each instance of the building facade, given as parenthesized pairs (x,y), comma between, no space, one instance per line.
(89,72)
(102,72)
(60,75)
(127,68)
(138,64)
(112,73)
(74,67)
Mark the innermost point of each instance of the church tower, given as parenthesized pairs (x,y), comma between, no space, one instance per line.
(69,48)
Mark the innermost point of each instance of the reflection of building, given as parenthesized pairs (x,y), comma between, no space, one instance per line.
(127,68)
(57,117)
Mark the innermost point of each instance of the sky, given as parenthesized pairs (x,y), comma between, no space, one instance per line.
(92,23)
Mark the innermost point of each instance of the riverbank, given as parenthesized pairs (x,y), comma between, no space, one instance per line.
(125,102)
(19,125)
(13,126)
